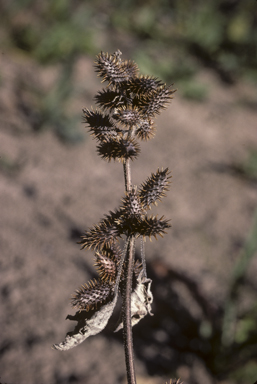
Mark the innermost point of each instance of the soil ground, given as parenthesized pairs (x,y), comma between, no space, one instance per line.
(50,192)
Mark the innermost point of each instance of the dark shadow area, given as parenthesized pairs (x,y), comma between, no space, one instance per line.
(186,327)
(236,170)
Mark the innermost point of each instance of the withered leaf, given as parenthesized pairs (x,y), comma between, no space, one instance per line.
(141,300)
(87,326)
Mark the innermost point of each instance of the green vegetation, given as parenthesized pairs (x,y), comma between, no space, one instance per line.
(175,38)
(171,40)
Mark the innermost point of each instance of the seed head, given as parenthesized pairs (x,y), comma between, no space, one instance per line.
(132,205)
(154,187)
(145,85)
(119,149)
(112,69)
(90,295)
(146,129)
(100,125)
(152,104)
(106,267)
(103,234)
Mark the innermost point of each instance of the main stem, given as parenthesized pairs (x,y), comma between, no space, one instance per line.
(127,175)
(126,297)
(126,314)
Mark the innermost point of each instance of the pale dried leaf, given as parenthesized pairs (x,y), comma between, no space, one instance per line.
(87,326)
(141,300)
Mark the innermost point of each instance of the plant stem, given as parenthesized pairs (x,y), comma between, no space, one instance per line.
(127,175)
(126,314)
(126,297)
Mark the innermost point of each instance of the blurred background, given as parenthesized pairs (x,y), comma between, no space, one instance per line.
(54,186)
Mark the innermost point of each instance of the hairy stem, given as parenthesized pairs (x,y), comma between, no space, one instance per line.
(127,175)
(126,314)
(126,297)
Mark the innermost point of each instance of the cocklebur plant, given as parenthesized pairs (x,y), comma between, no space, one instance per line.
(125,116)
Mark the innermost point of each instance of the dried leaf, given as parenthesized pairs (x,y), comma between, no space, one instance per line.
(87,326)
(141,300)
